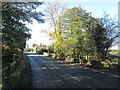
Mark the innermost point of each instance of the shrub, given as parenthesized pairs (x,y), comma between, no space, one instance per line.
(42,50)
(9,55)
(96,64)
(76,60)
(20,78)
(84,61)
(116,67)
(69,59)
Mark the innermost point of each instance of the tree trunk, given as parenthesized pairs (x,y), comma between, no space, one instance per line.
(22,50)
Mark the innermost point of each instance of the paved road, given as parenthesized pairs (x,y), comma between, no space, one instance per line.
(50,73)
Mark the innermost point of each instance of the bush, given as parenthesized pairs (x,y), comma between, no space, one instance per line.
(21,78)
(84,61)
(76,60)
(9,56)
(69,59)
(42,50)
(96,64)
(116,67)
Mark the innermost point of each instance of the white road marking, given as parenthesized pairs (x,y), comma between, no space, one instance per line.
(54,66)
(73,77)
(90,87)
(65,73)
(79,81)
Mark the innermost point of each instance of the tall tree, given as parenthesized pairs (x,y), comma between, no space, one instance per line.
(74,29)
(14,14)
(109,37)
(54,12)
(102,32)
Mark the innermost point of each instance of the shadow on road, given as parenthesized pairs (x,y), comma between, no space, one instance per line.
(54,73)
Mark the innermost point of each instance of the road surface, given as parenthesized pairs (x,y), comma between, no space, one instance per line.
(51,73)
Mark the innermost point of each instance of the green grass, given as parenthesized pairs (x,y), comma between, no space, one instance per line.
(115,61)
(21,78)
(114,52)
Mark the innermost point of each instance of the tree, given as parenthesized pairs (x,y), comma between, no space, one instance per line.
(14,14)
(110,35)
(74,30)
(34,45)
(102,32)
(54,12)
(89,39)
(77,34)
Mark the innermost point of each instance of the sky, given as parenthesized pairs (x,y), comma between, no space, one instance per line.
(97,9)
